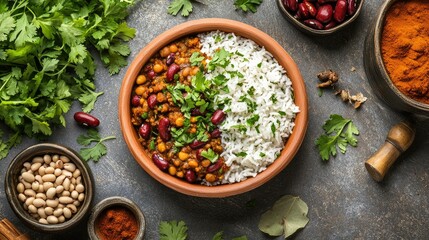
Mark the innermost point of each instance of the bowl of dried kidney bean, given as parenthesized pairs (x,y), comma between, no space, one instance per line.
(320,17)
(147,114)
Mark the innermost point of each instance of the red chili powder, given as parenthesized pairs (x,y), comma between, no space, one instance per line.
(117,223)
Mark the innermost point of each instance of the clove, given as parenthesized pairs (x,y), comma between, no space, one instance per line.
(328,78)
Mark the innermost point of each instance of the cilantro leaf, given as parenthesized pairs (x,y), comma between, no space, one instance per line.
(247,5)
(220,58)
(210,155)
(196,58)
(7,24)
(218,236)
(342,136)
(177,5)
(173,230)
(98,150)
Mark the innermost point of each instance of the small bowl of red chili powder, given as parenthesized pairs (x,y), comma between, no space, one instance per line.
(116,218)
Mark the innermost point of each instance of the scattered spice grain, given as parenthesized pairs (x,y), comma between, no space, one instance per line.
(117,223)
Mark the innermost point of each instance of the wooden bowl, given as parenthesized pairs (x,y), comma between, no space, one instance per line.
(378,77)
(11,181)
(311,31)
(194,27)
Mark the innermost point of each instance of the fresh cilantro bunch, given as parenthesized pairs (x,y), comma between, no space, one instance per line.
(45,63)
(338,132)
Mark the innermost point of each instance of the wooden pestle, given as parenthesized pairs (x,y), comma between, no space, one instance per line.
(398,140)
(9,232)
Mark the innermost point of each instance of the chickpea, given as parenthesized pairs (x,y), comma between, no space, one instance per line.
(158,68)
(173,48)
(164,52)
(197,169)
(180,61)
(176,162)
(140,90)
(193,130)
(210,177)
(164,107)
(179,121)
(205,163)
(179,174)
(172,170)
(161,147)
(141,79)
(183,156)
(195,70)
(194,119)
(186,71)
(193,164)
(160,97)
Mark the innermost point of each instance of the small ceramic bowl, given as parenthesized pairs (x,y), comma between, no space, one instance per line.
(115,202)
(311,31)
(11,182)
(191,28)
(377,75)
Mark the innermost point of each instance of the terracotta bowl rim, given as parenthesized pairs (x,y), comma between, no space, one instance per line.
(205,25)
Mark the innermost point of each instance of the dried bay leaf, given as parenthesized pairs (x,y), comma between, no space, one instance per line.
(287,215)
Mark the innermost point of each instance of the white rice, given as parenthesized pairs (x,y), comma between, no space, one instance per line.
(267,78)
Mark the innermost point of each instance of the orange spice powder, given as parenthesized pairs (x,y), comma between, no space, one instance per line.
(405,48)
(117,223)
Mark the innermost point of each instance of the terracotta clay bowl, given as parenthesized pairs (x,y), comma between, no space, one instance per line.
(190,28)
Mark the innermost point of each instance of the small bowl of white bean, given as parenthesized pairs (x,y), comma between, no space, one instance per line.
(49,187)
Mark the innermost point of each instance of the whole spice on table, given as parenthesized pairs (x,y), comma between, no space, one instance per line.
(117,223)
(405,48)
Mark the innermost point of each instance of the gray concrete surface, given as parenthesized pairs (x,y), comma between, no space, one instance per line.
(344,202)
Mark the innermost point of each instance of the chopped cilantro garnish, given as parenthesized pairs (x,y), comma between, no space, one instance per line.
(220,58)
(252,120)
(273,129)
(210,155)
(144,115)
(196,58)
(240,154)
(251,91)
(259,65)
(242,128)
(282,113)
(273,98)
(261,154)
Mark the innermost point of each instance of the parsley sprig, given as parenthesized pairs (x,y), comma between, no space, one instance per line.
(96,151)
(247,5)
(343,131)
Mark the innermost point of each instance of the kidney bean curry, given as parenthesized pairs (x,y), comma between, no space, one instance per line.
(174,114)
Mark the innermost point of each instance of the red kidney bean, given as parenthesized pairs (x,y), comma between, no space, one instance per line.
(324,14)
(198,154)
(351,7)
(303,11)
(170,59)
(218,117)
(196,112)
(145,130)
(215,166)
(313,23)
(311,8)
(160,162)
(164,129)
(151,74)
(326,1)
(197,144)
(147,68)
(190,176)
(340,11)
(291,5)
(135,101)
(171,71)
(216,133)
(330,25)
(86,119)
(151,101)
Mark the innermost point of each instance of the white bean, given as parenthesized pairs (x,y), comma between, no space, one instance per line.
(41,170)
(70,167)
(27,165)
(47,159)
(38,178)
(61,219)
(37,160)
(76,203)
(67,212)
(58,212)
(52,203)
(55,158)
(72,187)
(52,219)
(41,189)
(74,194)
(52,164)
(49,170)
(81,197)
(39,202)
(59,164)
(28,177)
(59,189)
(29,201)
(41,212)
(57,172)
(49,210)
(67,173)
(22,197)
(27,185)
(20,188)
(80,188)
(79,179)
(51,193)
(72,207)
(43,221)
(76,174)
(32,209)
(47,185)
(65,193)
(49,178)
(64,159)
(35,186)
(65,200)
(60,179)
(35,166)
(41,196)
(30,192)
(66,184)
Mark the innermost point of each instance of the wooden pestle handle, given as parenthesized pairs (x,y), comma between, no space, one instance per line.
(399,139)
(9,232)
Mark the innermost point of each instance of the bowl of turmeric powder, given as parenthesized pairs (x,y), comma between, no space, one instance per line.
(396,57)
